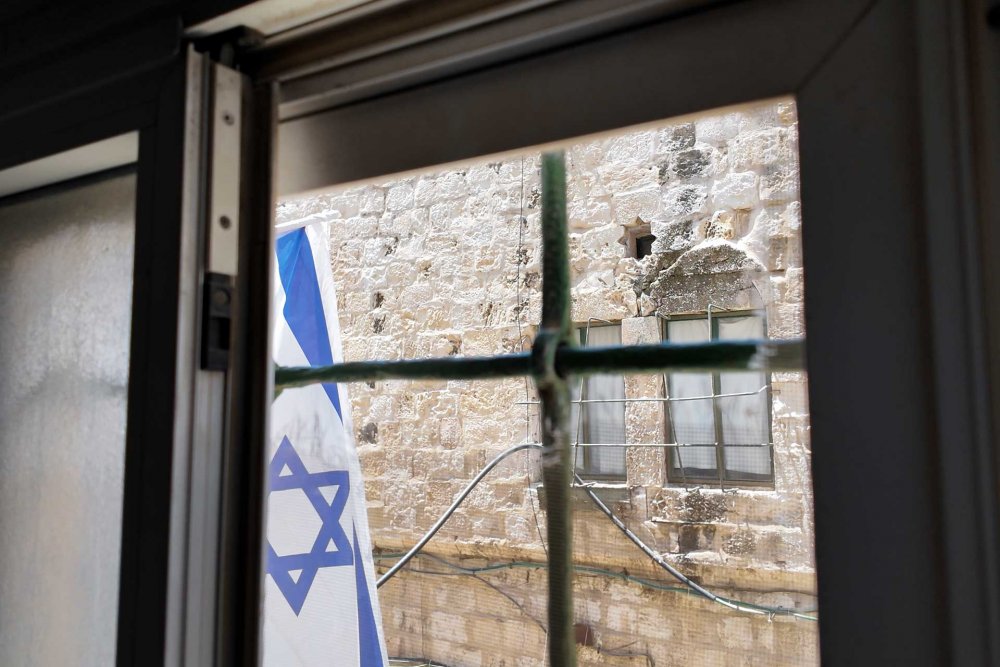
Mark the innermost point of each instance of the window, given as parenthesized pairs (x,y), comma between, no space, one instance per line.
(638,240)
(599,416)
(718,423)
(644,245)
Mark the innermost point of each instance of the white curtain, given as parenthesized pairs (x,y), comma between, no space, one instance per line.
(693,422)
(744,418)
(603,422)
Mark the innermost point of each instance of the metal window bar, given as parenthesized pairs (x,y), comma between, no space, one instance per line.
(553,358)
(659,399)
(669,444)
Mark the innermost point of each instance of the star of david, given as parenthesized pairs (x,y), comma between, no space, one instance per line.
(331,547)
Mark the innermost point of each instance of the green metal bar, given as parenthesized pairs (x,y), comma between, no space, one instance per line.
(759,355)
(445,368)
(554,397)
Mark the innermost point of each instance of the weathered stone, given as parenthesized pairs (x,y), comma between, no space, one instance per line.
(677,137)
(714,256)
(685,200)
(640,204)
(692,162)
(735,191)
(399,197)
(717,128)
(779,184)
(762,148)
(674,237)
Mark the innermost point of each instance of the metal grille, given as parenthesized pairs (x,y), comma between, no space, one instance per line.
(553,360)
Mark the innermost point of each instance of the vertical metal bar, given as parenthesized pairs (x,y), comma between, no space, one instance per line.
(670,436)
(554,397)
(720,458)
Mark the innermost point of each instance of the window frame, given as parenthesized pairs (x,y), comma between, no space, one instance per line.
(680,479)
(880,76)
(580,428)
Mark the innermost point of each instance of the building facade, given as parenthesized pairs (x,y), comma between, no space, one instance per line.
(684,231)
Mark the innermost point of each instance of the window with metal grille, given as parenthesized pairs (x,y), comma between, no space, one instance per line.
(718,423)
(598,417)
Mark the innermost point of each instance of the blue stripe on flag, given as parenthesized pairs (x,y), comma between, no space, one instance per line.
(371,648)
(303,304)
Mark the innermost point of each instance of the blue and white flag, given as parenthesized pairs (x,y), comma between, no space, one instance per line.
(320,603)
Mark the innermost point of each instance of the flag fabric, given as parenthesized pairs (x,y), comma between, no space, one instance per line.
(320,602)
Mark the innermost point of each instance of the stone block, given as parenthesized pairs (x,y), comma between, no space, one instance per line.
(737,190)
(631,148)
(399,196)
(685,201)
(643,205)
(762,148)
(779,184)
(716,128)
(675,138)
(693,162)
(371,200)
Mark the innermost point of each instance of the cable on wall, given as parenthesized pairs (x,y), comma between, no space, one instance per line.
(697,589)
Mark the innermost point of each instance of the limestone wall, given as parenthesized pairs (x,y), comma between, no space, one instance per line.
(447,263)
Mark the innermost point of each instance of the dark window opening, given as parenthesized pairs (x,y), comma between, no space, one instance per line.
(644,246)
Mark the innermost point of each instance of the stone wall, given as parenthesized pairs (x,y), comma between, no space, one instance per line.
(447,263)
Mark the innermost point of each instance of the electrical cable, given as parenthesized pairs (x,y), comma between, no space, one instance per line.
(736,605)
(534,565)
(451,510)
(519,257)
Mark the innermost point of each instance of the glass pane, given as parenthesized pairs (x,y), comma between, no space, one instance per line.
(692,422)
(66,296)
(446,262)
(603,422)
(745,424)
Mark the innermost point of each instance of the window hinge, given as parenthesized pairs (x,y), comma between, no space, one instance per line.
(223,215)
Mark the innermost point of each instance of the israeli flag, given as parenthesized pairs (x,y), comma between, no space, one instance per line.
(320,603)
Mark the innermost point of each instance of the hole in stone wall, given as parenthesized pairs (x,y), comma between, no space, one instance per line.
(638,240)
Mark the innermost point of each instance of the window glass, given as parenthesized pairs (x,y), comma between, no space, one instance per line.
(603,420)
(692,420)
(745,423)
(66,301)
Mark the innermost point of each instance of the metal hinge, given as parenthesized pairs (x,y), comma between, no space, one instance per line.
(223,215)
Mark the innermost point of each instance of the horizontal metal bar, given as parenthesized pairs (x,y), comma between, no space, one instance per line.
(759,355)
(443,368)
(659,399)
(664,444)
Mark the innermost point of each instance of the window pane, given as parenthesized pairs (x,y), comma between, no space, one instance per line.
(66,297)
(744,418)
(604,422)
(692,422)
